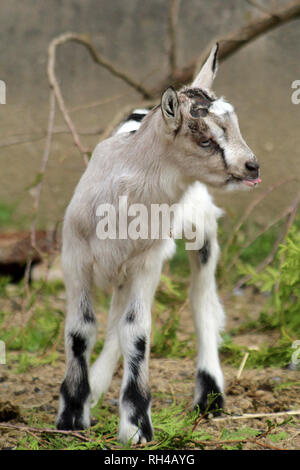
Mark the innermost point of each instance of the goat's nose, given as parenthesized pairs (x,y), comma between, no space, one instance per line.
(252,166)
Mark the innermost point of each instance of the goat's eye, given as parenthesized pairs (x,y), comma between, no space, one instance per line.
(205,143)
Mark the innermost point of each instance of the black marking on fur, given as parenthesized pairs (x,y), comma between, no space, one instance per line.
(204,252)
(71,417)
(139,356)
(138,117)
(214,64)
(130,316)
(199,96)
(207,403)
(197,112)
(140,345)
(87,309)
(221,151)
(138,397)
(140,402)
(225,132)
(78,344)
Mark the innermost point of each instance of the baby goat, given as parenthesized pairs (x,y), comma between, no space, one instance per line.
(191,139)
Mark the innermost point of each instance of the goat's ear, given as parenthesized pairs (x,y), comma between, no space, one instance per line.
(170,108)
(206,76)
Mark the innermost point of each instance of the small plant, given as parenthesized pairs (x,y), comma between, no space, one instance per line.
(282,282)
(165,341)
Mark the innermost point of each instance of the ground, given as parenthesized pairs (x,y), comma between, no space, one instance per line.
(29,399)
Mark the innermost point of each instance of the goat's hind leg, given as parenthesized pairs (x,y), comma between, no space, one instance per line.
(209,320)
(80,332)
(134,334)
(103,368)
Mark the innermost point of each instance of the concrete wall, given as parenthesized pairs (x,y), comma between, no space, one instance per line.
(133,34)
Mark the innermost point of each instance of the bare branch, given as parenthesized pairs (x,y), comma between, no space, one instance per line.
(84,40)
(258,415)
(260,7)
(45,430)
(39,187)
(102,61)
(28,138)
(237,39)
(54,84)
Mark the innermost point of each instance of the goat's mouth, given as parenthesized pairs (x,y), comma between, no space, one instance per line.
(251,182)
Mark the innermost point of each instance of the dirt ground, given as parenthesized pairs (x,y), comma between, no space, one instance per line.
(256,391)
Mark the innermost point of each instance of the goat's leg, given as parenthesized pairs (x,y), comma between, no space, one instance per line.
(80,332)
(134,333)
(103,368)
(208,318)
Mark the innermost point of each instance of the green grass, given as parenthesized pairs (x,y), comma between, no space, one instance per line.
(281,311)
(11,218)
(278,355)
(37,342)
(175,428)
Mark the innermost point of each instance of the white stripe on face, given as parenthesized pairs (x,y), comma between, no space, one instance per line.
(220,107)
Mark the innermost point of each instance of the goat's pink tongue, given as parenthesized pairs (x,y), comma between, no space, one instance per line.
(252,182)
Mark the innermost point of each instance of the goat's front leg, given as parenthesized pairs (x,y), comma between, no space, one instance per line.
(134,336)
(208,318)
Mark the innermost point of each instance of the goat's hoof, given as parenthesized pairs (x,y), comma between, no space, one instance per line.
(135,435)
(212,403)
(69,422)
(209,399)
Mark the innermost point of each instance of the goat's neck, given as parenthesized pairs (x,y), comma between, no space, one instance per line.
(163,179)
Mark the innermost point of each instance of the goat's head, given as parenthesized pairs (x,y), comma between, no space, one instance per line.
(205,130)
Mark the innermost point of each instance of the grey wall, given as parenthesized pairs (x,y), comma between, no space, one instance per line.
(133,34)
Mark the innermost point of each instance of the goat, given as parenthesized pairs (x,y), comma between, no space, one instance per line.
(192,139)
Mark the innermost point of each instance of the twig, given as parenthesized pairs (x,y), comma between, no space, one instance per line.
(201,417)
(260,7)
(255,28)
(97,103)
(45,430)
(237,441)
(252,206)
(280,238)
(26,139)
(54,84)
(237,39)
(258,415)
(241,368)
(275,221)
(267,446)
(39,188)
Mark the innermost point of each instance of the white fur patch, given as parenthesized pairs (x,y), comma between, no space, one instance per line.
(129,126)
(220,107)
(132,125)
